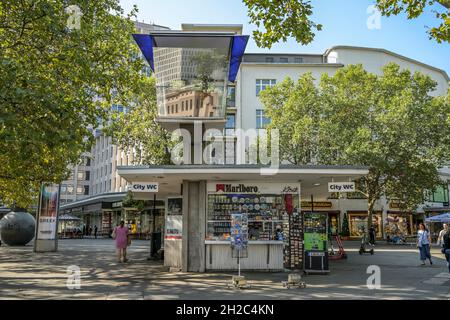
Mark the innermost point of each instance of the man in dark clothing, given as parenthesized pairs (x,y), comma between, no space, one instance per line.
(446,247)
(372,235)
(95,231)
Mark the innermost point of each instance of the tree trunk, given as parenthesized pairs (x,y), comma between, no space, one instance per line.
(371,204)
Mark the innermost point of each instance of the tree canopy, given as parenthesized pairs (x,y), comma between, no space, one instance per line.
(390,123)
(279,19)
(137,131)
(56,84)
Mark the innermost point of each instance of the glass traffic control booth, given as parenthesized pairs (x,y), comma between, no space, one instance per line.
(193,70)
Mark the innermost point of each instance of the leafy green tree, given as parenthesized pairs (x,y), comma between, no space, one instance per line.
(389,123)
(414,8)
(56,82)
(137,131)
(281,19)
(345,227)
(292,18)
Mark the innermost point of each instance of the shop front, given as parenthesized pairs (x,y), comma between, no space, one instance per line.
(357,221)
(267,207)
(399,225)
(203,201)
(326,207)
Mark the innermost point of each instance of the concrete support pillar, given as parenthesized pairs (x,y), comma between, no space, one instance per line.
(194,226)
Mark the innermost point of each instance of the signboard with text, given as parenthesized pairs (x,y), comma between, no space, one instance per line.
(47,215)
(144,187)
(341,187)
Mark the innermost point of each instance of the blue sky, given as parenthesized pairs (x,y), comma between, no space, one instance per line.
(344,21)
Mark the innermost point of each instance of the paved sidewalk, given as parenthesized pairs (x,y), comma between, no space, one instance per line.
(27,275)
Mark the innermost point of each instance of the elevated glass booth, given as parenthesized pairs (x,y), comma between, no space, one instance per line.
(193,70)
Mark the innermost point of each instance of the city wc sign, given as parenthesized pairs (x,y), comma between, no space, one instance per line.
(144,187)
(341,187)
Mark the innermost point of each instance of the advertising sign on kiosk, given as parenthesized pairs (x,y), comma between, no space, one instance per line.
(315,242)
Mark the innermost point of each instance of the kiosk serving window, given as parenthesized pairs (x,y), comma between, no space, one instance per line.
(266,212)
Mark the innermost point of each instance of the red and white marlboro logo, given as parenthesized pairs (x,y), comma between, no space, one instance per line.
(236,189)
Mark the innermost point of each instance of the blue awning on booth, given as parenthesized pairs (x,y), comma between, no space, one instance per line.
(146,43)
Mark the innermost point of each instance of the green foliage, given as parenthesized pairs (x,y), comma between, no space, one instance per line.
(414,8)
(345,227)
(281,19)
(54,84)
(130,202)
(389,123)
(137,131)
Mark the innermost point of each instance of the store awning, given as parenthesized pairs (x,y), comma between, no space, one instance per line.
(314,179)
(445,217)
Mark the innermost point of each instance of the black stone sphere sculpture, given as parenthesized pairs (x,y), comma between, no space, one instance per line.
(17,228)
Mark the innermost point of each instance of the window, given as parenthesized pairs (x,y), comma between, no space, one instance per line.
(261,120)
(168,109)
(284,60)
(190,104)
(230,125)
(86,190)
(269,59)
(262,84)
(176,108)
(182,105)
(87,175)
(80,175)
(298,60)
(80,190)
(87,161)
(440,194)
(110,168)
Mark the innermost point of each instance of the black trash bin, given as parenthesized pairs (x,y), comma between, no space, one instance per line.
(156,243)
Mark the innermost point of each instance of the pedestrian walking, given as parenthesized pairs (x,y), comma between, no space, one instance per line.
(120,234)
(84,230)
(90,231)
(372,235)
(440,240)
(423,243)
(446,247)
(95,231)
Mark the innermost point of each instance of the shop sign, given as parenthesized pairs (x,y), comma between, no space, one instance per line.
(144,187)
(323,204)
(341,187)
(253,187)
(241,188)
(116,204)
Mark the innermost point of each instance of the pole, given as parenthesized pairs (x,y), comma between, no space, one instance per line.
(153,227)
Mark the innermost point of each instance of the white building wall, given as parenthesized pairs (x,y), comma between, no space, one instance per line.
(374,60)
(248,102)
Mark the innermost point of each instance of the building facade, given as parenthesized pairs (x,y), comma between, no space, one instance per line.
(105,187)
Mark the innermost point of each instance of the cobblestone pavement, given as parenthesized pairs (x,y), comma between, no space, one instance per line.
(28,275)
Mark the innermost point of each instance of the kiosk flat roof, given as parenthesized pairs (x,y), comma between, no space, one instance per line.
(312,178)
